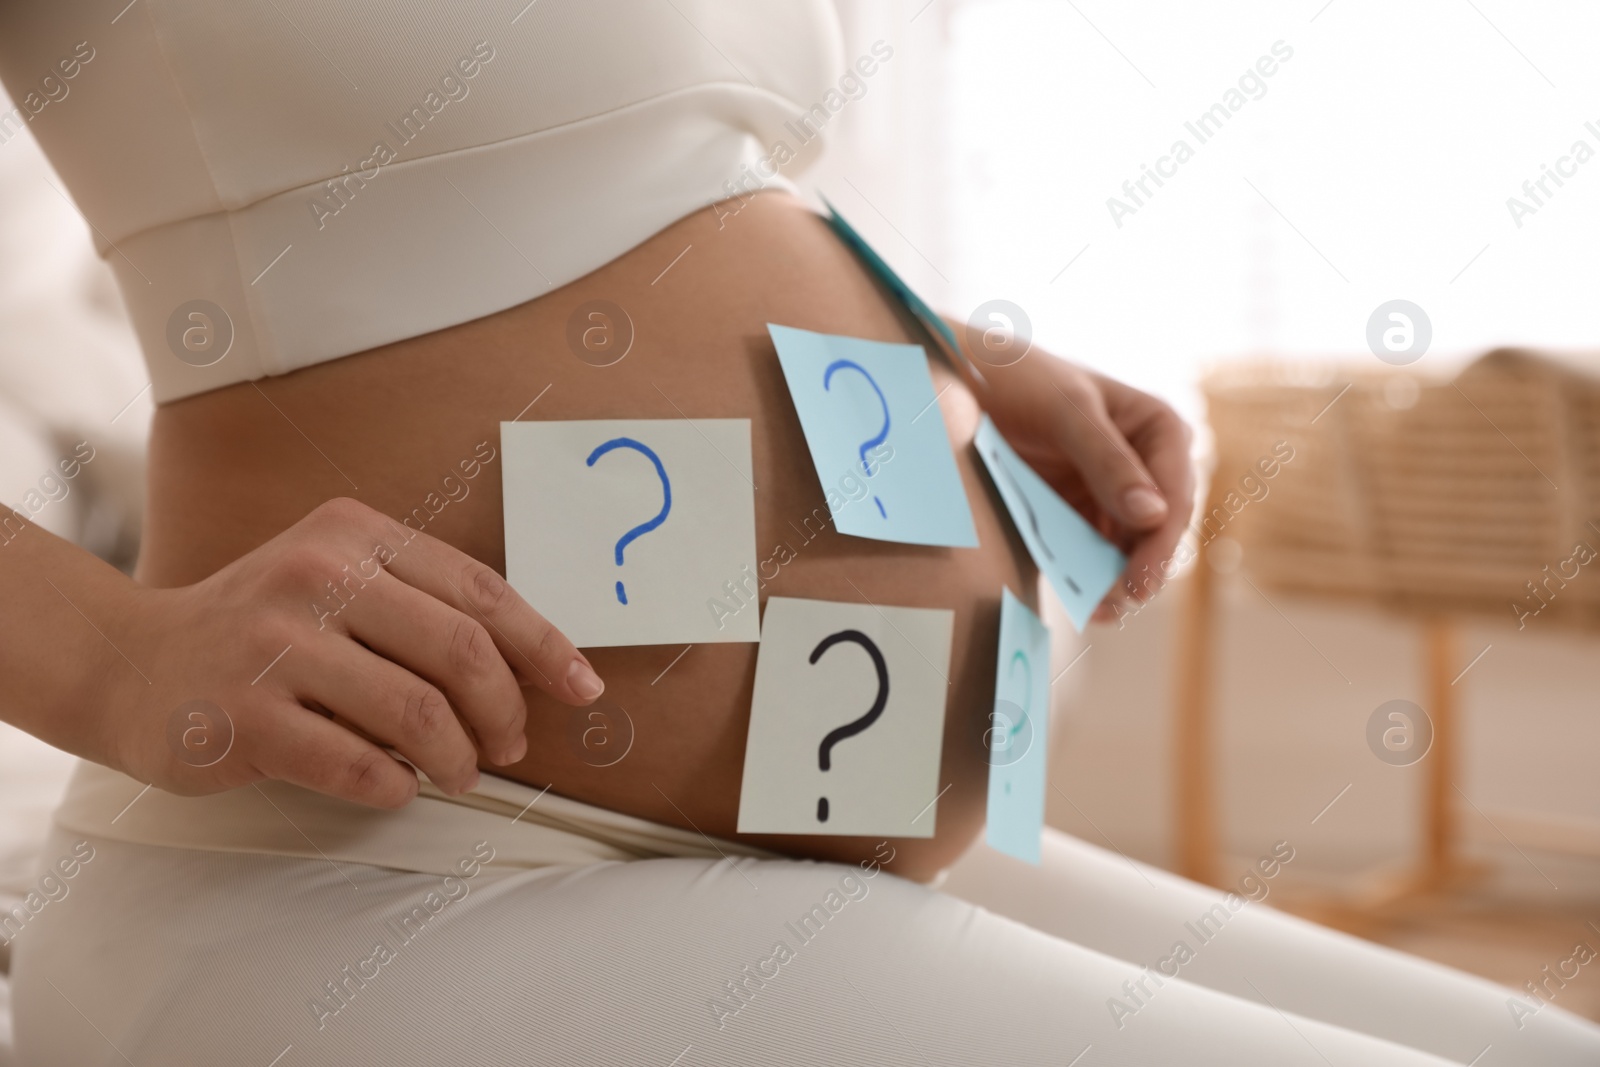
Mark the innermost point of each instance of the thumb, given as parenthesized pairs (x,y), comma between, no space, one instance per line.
(1110,467)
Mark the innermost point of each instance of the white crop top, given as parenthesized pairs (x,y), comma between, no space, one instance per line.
(282,182)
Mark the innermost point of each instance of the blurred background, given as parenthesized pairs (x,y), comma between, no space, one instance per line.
(1374,164)
(1431,491)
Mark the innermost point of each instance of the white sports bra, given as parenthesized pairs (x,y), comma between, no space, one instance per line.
(278,183)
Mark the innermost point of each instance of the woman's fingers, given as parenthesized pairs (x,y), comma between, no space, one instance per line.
(1110,466)
(410,647)
(1130,452)
(453,651)
(537,653)
(1162,439)
(392,705)
(310,751)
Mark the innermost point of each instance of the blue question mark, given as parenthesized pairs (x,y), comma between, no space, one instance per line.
(883,434)
(1027,695)
(666,493)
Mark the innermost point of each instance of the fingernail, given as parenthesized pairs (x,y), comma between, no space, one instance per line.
(1142,503)
(471,783)
(518,749)
(582,680)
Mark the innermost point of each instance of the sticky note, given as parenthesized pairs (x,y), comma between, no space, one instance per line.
(847,721)
(625,531)
(868,410)
(1081,565)
(935,325)
(1018,732)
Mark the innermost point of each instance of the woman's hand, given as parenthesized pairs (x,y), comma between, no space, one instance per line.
(1119,456)
(345,634)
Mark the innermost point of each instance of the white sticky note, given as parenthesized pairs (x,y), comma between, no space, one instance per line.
(1080,564)
(847,721)
(624,531)
(1018,733)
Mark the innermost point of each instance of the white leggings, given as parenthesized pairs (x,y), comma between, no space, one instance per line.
(169,956)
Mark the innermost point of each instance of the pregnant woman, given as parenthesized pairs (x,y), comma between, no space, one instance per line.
(354,238)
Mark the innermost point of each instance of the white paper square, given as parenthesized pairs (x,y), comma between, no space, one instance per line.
(884,779)
(564,516)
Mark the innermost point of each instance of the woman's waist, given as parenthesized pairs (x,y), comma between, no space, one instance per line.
(510,825)
(675,327)
(413,431)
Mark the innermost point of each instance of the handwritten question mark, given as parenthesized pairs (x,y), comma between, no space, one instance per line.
(1033,519)
(666,494)
(1027,692)
(883,434)
(1027,695)
(850,729)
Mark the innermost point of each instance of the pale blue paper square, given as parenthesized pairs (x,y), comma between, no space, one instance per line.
(1082,566)
(854,397)
(1018,735)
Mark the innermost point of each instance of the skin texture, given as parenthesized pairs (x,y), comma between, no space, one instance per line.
(230,471)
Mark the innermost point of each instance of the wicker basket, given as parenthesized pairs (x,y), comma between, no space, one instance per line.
(1427,496)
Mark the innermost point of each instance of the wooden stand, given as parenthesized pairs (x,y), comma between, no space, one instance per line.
(1367,472)
(1439,866)
(1193,754)
(1440,860)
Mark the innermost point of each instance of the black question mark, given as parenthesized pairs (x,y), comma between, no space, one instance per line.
(850,729)
(1033,520)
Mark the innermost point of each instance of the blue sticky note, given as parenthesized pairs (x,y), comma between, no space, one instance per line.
(1082,566)
(877,438)
(937,326)
(1018,734)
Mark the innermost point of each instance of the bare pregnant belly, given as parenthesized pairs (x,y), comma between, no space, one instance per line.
(229,471)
